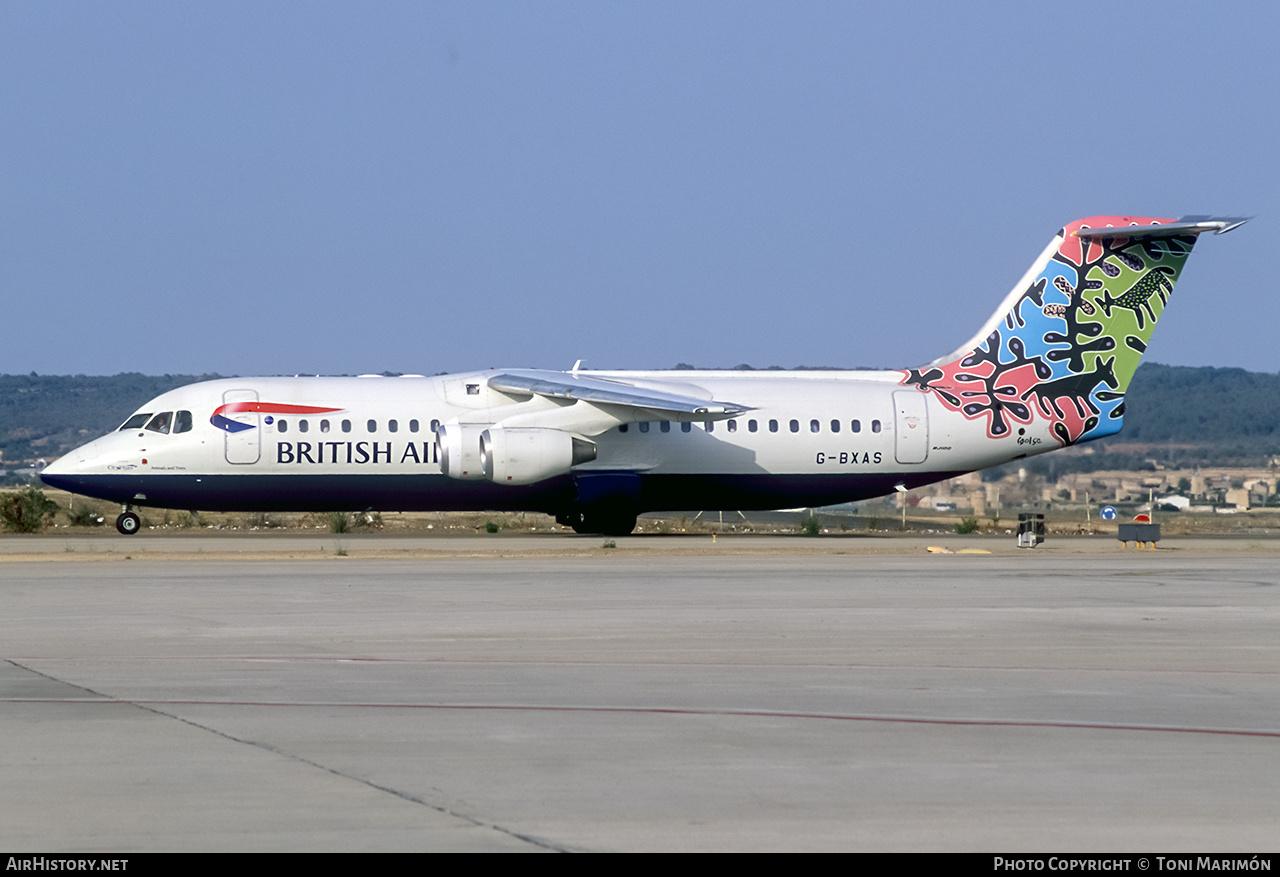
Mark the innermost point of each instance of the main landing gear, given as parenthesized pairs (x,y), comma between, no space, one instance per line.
(604,521)
(128,523)
(606,503)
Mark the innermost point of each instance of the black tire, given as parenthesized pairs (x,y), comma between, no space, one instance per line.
(128,524)
(611,522)
(619,525)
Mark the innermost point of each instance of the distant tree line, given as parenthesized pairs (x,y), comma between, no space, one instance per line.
(1215,406)
(48,415)
(1182,416)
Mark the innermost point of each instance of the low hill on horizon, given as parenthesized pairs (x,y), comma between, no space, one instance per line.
(1187,416)
(48,415)
(1178,415)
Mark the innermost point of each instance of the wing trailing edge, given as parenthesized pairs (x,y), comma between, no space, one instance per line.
(666,404)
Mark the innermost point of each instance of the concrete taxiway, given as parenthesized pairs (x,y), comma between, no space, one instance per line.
(526,693)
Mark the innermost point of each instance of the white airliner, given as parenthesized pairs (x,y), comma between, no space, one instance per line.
(594,448)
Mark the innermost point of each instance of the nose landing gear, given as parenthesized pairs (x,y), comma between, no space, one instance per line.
(128,523)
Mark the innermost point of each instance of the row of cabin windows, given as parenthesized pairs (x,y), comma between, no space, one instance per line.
(164,423)
(282,425)
(180,421)
(754,426)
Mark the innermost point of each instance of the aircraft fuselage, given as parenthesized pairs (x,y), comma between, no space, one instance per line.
(807,438)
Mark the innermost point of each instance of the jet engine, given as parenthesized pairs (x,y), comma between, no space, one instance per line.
(526,455)
(459,446)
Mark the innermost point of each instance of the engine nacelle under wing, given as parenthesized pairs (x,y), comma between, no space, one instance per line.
(459,446)
(527,455)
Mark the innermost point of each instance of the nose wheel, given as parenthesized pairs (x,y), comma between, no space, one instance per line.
(128,523)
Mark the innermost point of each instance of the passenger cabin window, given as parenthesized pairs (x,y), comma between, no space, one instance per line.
(795,426)
(324,426)
(814,426)
(413,426)
(435,425)
(711,426)
(303,426)
(373,426)
(161,422)
(773,426)
(733,426)
(346,426)
(856,425)
(393,425)
(137,421)
(835,426)
(751,426)
(686,426)
(282,425)
(875,426)
(665,426)
(622,428)
(644,426)
(182,422)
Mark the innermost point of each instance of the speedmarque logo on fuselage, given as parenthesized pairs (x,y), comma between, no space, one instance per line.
(226,424)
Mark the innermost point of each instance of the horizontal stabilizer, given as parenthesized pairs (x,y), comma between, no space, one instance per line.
(1185,225)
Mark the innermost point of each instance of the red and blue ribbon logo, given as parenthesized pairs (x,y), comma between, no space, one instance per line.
(228,425)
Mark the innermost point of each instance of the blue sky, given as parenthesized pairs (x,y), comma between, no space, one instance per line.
(279,188)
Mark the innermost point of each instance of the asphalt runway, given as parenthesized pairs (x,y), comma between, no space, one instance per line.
(535,694)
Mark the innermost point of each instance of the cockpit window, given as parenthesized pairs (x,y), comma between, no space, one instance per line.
(136,421)
(182,421)
(161,422)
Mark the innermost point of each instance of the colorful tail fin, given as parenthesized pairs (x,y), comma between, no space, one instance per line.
(1066,341)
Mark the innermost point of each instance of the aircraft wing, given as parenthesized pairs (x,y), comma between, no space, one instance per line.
(666,404)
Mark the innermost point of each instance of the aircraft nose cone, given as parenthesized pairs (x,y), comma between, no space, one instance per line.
(57,467)
(55,479)
(68,470)
(59,473)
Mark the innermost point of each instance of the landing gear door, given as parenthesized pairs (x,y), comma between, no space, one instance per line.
(911,427)
(244,430)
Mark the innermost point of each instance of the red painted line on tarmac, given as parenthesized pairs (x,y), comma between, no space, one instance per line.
(269,659)
(668,711)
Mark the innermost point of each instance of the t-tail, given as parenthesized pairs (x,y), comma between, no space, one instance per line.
(1063,346)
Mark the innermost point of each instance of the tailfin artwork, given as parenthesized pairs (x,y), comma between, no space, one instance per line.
(1065,343)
